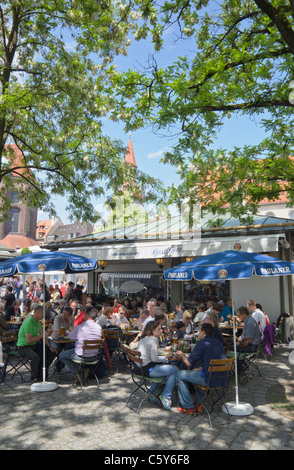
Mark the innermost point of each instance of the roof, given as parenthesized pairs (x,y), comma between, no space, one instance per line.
(176,228)
(15,241)
(130,155)
(69,231)
(47,224)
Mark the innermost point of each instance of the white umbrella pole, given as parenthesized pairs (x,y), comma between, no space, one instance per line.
(236,408)
(235,354)
(44,329)
(44,386)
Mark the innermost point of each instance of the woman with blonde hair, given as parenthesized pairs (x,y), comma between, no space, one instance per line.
(187,319)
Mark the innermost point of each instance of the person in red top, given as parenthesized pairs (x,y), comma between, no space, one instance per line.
(116,305)
(63,286)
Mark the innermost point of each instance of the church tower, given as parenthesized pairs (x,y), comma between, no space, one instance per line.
(130,160)
(19,231)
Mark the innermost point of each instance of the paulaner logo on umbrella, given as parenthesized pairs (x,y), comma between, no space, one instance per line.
(222,274)
(42,267)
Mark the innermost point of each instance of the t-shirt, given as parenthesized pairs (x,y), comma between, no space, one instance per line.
(260,320)
(89,330)
(205,350)
(28,326)
(148,347)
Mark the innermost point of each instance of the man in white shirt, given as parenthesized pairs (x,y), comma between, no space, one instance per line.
(257,315)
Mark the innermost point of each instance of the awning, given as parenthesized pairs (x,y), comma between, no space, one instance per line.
(152,249)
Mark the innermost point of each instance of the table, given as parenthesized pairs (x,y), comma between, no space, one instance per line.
(226,326)
(61,340)
(128,334)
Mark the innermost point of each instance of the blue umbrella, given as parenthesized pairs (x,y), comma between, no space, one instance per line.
(46,261)
(228,265)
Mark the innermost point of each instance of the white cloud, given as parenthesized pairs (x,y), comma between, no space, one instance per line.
(157,154)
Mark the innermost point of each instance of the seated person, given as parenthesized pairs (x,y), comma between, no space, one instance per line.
(200,314)
(207,348)
(3,323)
(50,312)
(88,330)
(119,318)
(180,330)
(187,319)
(30,344)
(227,310)
(155,365)
(105,319)
(13,310)
(212,318)
(250,330)
(63,321)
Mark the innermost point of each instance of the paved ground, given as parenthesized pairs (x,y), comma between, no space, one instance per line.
(73,419)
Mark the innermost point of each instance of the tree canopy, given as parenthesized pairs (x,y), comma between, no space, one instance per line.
(240,62)
(59,82)
(55,61)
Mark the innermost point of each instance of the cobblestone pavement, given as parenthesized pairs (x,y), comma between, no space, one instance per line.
(73,419)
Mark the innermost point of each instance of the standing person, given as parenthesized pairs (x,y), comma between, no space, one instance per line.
(88,330)
(8,298)
(30,344)
(156,365)
(63,287)
(206,348)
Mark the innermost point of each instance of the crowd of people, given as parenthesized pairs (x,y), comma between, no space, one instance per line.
(73,313)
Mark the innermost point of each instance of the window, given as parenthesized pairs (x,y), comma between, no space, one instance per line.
(13,220)
(14,197)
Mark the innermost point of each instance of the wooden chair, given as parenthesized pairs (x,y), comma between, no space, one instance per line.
(141,381)
(112,338)
(88,362)
(13,361)
(218,382)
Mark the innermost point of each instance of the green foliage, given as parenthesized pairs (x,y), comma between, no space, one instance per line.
(55,63)
(239,62)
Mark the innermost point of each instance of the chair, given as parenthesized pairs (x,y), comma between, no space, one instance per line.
(141,381)
(246,359)
(280,327)
(113,340)
(88,362)
(13,361)
(218,382)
